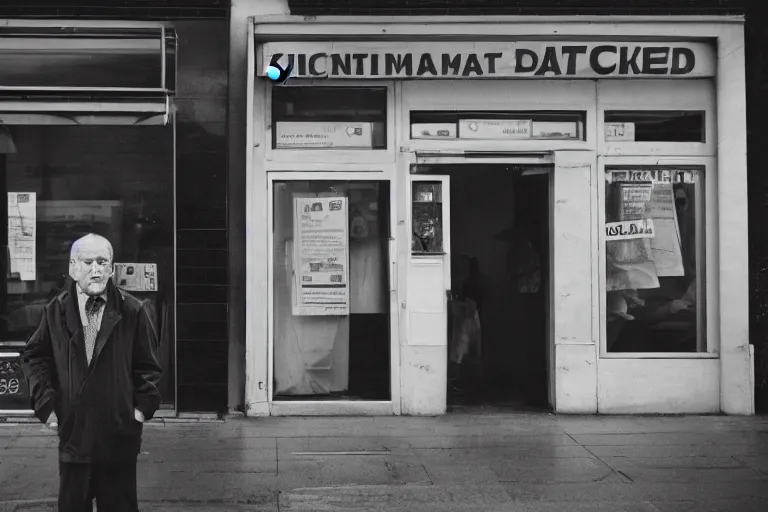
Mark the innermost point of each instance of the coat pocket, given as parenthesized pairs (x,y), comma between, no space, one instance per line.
(75,432)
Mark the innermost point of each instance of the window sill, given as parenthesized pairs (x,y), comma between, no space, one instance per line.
(660,355)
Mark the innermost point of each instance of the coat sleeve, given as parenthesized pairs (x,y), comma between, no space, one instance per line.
(40,370)
(146,366)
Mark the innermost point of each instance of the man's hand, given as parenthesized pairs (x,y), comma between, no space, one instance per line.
(138,415)
(53,422)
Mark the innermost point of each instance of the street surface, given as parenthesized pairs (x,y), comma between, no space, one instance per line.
(474,460)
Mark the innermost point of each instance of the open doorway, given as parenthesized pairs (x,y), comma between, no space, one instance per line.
(498,310)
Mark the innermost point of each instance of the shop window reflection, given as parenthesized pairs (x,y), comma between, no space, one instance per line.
(654,261)
(62,182)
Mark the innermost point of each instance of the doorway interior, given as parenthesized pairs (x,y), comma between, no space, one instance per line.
(498,311)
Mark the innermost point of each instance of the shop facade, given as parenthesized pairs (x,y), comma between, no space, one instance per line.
(517,211)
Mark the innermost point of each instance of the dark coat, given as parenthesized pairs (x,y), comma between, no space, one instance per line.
(95,404)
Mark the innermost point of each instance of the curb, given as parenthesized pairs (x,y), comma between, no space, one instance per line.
(51,503)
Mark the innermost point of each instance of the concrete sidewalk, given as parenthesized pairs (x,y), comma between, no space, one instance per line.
(477,460)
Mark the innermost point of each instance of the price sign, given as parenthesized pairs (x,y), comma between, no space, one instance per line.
(14,392)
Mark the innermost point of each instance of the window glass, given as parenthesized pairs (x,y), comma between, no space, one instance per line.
(654,126)
(62,182)
(498,125)
(331,302)
(654,259)
(329,117)
(427,202)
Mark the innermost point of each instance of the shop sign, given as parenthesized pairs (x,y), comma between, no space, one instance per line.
(489,129)
(433,131)
(323,135)
(555,130)
(523,59)
(619,132)
(321,256)
(629,230)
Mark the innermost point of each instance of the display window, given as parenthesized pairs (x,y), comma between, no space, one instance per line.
(331,308)
(62,182)
(655,259)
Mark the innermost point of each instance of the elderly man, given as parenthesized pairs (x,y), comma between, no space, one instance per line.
(93,373)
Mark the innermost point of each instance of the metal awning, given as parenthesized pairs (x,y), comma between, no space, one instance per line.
(98,59)
(120,111)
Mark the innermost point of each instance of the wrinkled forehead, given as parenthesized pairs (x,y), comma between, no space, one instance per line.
(92,249)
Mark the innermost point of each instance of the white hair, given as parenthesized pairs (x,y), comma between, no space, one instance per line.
(78,244)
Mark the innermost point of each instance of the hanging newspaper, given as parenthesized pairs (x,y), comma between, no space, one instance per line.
(22,220)
(666,246)
(321,256)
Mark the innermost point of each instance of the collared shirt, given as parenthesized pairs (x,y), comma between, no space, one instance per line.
(82,298)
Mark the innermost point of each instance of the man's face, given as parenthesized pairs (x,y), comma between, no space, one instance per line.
(92,267)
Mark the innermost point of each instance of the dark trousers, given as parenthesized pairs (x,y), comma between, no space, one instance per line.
(113,487)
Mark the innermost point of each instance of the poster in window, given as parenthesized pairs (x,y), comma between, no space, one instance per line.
(321,256)
(666,246)
(629,259)
(22,232)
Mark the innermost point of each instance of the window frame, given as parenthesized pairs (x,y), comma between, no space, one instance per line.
(390,406)
(344,156)
(576,96)
(658,95)
(707,246)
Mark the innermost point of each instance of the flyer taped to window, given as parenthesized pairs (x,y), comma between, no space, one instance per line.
(22,232)
(321,256)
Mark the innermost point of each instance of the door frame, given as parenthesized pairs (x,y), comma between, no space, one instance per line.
(411,158)
(335,407)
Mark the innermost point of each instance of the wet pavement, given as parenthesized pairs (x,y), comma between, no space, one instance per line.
(476,460)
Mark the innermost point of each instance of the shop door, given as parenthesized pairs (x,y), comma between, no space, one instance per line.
(429,262)
(331,288)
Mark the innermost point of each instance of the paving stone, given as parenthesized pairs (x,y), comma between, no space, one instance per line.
(455,463)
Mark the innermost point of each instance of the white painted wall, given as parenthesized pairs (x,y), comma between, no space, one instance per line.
(243,154)
(736,361)
(573,309)
(673,386)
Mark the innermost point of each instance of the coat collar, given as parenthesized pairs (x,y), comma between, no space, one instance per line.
(112,312)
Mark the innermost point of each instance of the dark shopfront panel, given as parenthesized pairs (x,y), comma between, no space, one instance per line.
(126,172)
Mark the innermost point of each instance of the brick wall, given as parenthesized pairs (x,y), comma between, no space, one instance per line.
(201,215)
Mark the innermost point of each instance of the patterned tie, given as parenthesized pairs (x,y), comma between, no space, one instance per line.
(92,307)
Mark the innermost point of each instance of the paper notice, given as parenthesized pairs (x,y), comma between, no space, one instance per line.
(136,277)
(321,256)
(629,230)
(22,232)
